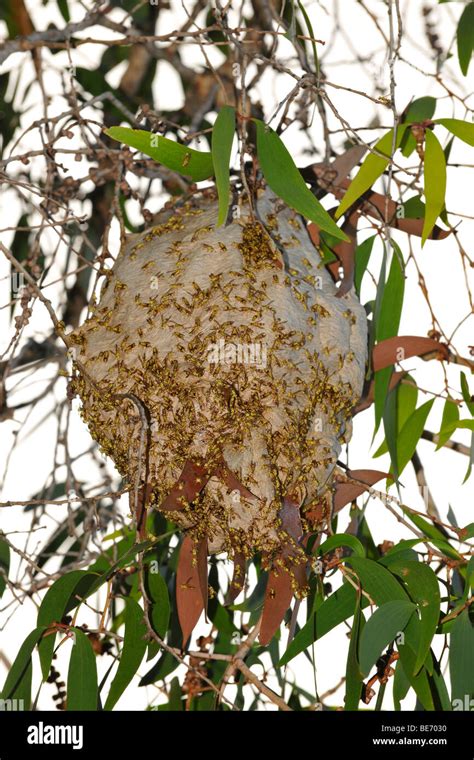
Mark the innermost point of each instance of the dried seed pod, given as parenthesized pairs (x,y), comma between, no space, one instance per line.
(220,368)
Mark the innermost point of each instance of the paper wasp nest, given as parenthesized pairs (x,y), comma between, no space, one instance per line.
(221,369)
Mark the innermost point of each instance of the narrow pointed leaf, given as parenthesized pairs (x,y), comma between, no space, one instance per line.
(353,671)
(411,434)
(461,660)
(462,129)
(277,600)
(377,581)
(420,681)
(18,682)
(191,584)
(160,603)
(465,37)
(392,299)
(134,646)
(466,393)
(347,492)
(284,178)
(222,139)
(4,564)
(52,609)
(406,399)
(448,422)
(401,685)
(82,688)
(420,109)
(402,347)
(362,256)
(180,158)
(423,587)
(435,182)
(371,169)
(381,629)
(333,611)
(334,542)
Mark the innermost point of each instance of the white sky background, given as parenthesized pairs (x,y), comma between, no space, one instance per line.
(439,262)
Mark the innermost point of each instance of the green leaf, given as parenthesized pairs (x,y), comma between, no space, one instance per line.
(64,10)
(381,629)
(435,182)
(468,532)
(160,608)
(439,687)
(134,646)
(175,703)
(462,129)
(285,180)
(465,424)
(391,305)
(387,323)
(52,609)
(466,393)
(448,422)
(414,208)
(333,611)
(290,33)
(108,570)
(343,539)
(401,685)
(371,169)
(390,423)
(402,546)
(420,109)
(4,564)
(465,37)
(384,400)
(362,256)
(82,688)
(420,682)
(191,163)
(432,533)
(353,670)
(423,587)
(377,581)
(222,139)
(18,681)
(461,659)
(406,394)
(471,460)
(410,434)
(311,35)
(325,250)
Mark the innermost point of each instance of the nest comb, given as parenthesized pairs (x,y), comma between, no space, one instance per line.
(219,370)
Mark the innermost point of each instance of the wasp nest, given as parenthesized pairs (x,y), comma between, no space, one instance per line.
(219,370)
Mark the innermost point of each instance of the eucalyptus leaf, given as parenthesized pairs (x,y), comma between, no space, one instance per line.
(435,182)
(282,175)
(82,687)
(222,139)
(187,161)
(371,169)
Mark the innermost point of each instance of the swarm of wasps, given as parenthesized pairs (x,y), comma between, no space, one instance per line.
(239,453)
